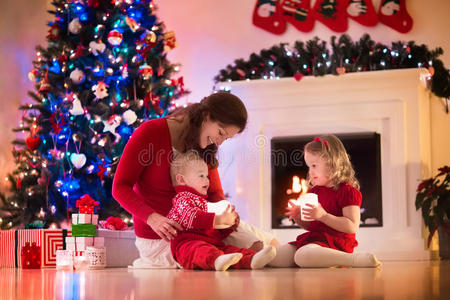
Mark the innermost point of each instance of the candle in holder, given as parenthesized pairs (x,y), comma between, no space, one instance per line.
(308,198)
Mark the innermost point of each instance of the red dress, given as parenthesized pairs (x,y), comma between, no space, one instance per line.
(199,244)
(332,202)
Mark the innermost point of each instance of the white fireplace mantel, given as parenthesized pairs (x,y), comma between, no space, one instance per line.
(394,104)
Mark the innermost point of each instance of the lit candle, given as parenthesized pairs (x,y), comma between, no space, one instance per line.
(308,198)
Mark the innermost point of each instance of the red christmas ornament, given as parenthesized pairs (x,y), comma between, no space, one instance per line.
(267,15)
(101,170)
(115,37)
(340,70)
(18,183)
(33,143)
(32,75)
(146,71)
(62,58)
(53,32)
(298,76)
(45,85)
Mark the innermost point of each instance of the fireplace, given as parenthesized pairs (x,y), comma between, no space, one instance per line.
(288,168)
(391,106)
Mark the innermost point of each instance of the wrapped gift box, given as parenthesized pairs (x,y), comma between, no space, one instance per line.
(12,241)
(84,219)
(80,243)
(120,247)
(84,230)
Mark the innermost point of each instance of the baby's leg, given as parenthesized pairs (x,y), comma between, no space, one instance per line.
(315,256)
(284,257)
(197,255)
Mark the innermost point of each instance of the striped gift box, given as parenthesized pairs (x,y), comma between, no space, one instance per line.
(12,242)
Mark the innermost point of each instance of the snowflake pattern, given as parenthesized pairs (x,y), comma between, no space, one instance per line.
(186,207)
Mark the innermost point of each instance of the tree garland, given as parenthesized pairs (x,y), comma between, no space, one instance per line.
(314,58)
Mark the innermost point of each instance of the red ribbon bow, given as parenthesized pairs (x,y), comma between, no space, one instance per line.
(114,223)
(86,204)
(317,139)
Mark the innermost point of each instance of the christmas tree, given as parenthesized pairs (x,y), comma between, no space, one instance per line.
(103,73)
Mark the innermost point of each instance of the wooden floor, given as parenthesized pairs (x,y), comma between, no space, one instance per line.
(393,280)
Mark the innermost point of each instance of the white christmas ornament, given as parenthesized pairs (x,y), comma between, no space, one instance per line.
(77,108)
(78,160)
(75,26)
(129,117)
(97,48)
(77,76)
(32,75)
(100,90)
(111,124)
(124,70)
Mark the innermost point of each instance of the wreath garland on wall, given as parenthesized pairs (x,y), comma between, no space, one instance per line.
(313,57)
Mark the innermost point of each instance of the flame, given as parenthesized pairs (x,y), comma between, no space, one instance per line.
(298,186)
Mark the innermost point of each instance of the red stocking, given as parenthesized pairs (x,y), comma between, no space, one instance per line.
(297,13)
(362,11)
(393,13)
(267,15)
(332,13)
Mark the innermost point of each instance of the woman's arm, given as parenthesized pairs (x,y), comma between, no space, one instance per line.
(348,223)
(136,155)
(215,191)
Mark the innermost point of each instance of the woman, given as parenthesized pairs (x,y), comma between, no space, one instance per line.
(142,182)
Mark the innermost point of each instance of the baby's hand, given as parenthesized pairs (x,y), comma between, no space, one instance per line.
(314,212)
(225,219)
(293,210)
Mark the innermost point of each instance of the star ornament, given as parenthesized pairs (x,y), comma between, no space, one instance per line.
(111,124)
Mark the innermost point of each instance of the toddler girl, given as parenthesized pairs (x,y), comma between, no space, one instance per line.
(330,239)
(200,245)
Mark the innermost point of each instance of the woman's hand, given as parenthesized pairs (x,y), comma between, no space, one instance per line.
(164,227)
(314,212)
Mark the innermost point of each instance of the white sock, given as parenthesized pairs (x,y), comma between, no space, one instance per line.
(365,260)
(263,257)
(315,256)
(284,257)
(223,262)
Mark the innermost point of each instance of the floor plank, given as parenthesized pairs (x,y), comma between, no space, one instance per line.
(393,280)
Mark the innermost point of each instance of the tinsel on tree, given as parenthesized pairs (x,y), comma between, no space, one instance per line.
(102,74)
(314,57)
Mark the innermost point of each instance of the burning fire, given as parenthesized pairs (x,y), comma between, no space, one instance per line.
(298,186)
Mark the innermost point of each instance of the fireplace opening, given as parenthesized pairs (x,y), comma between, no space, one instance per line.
(289,168)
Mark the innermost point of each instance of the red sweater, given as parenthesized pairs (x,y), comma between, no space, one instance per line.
(190,210)
(142,182)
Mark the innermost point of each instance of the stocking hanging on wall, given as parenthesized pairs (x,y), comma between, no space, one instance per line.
(267,15)
(332,13)
(393,13)
(362,11)
(297,12)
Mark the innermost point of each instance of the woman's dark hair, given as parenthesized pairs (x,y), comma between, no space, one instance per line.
(222,107)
